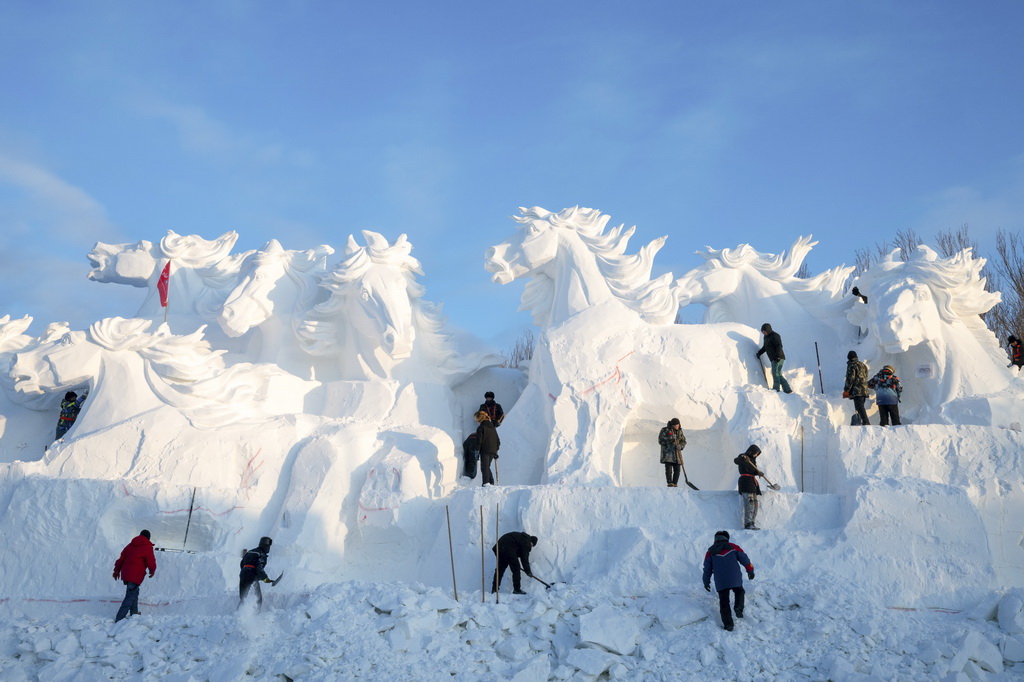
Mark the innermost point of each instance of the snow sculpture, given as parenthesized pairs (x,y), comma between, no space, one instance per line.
(131,371)
(608,372)
(749,287)
(924,314)
(573,264)
(203,272)
(275,289)
(20,427)
(375,323)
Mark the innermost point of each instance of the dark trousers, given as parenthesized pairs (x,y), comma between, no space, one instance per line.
(130,603)
(469,464)
(858,406)
(723,604)
(62,427)
(779,381)
(246,580)
(887,411)
(485,467)
(499,573)
(672,473)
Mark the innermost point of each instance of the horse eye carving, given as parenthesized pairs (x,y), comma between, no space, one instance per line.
(65,340)
(922,295)
(364,294)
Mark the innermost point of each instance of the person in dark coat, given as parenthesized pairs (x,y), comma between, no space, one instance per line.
(723,560)
(489,443)
(136,558)
(856,385)
(856,292)
(470,455)
(69,409)
(888,390)
(492,408)
(748,486)
(512,550)
(672,442)
(1016,359)
(253,571)
(773,347)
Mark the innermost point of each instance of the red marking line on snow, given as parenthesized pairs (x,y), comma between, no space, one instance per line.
(616,375)
(87,601)
(932,609)
(250,471)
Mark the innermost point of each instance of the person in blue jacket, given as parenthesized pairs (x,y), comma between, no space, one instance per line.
(723,560)
(69,409)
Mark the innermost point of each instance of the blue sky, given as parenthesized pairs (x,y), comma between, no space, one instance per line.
(713,123)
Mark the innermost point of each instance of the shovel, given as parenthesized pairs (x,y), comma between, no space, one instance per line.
(773,486)
(687,480)
(547,585)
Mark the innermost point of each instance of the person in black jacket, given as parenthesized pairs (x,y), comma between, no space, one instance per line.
(1013,343)
(488,442)
(492,408)
(470,455)
(773,347)
(253,565)
(512,550)
(748,486)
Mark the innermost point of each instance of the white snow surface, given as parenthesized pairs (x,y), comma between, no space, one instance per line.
(326,407)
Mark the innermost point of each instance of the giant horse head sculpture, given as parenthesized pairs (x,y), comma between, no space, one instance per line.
(923,314)
(574,264)
(203,272)
(375,321)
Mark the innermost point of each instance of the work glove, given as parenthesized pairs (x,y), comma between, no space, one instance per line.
(116,576)
(707,586)
(750,574)
(267,580)
(846,394)
(152,573)
(495,455)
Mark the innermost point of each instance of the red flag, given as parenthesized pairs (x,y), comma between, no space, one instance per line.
(165,280)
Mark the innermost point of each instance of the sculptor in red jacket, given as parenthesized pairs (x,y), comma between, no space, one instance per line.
(131,567)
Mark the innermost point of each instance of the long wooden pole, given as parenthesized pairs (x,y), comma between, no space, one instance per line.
(821,382)
(451,551)
(483,578)
(191,506)
(497,552)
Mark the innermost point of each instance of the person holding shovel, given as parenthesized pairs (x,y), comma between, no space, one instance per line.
(748,486)
(672,442)
(513,551)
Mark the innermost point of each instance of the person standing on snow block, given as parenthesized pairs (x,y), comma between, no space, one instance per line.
(136,558)
(1016,359)
(888,390)
(723,560)
(470,454)
(672,442)
(773,347)
(492,408)
(253,565)
(489,443)
(856,385)
(512,550)
(748,486)
(856,292)
(69,409)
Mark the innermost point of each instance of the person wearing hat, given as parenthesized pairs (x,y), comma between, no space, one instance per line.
(69,409)
(773,347)
(672,442)
(488,442)
(856,385)
(1016,359)
(748,486)
(888,390)
(136,558)
(492,408)
(512,550)
(253,571)
(723,560)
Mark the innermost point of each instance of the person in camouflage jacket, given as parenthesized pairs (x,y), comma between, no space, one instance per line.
(856,385)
